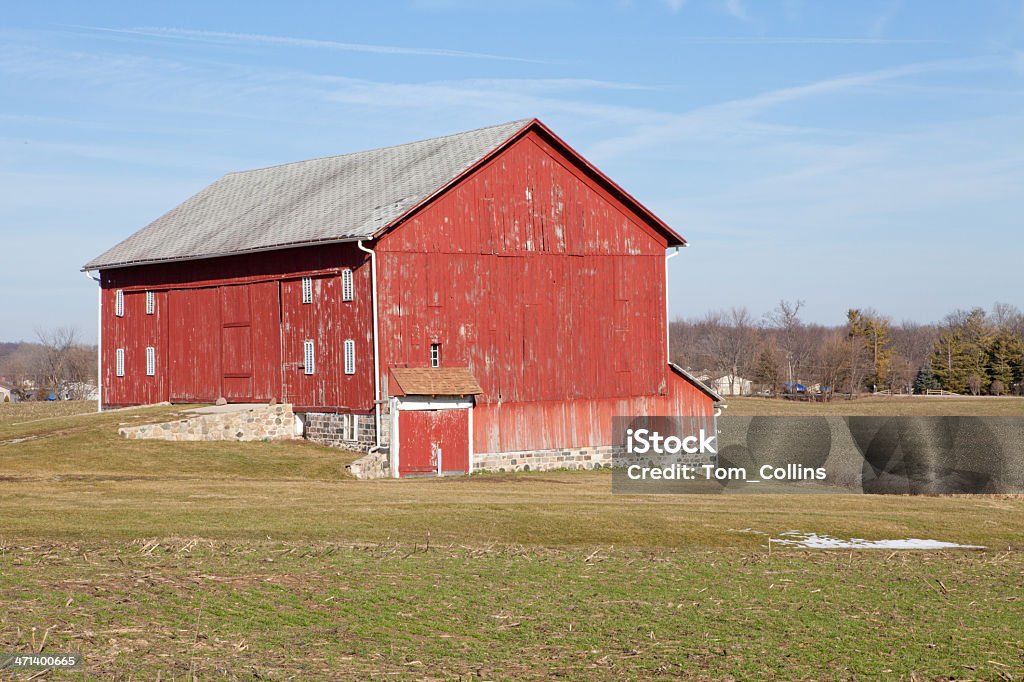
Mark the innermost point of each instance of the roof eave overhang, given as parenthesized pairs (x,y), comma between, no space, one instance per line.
(698,384)
(91,267)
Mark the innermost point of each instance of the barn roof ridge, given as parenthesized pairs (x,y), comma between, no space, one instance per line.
(522,123)
(316,201)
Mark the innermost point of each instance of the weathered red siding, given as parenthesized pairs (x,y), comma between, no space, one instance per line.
(531,270)
(233,327)
(549,288)
(427,434)
(553,425)
(328,322)
(194,353)
(134,332)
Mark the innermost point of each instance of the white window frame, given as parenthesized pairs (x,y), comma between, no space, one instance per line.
(307,289)
(347,290)
(150,361)
(119,362)
(350,356)
(435,355)
(119,303)
(349,428)
(308,357)
(150,302)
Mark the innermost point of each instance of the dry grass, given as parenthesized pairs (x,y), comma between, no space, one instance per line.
(265,561)
(868,406)
(29,410)
(188,609)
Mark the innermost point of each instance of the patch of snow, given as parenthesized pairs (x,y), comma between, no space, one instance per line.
(797,538)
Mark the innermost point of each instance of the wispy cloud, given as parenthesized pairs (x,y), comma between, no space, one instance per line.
(881,22)
(798,40)
(726,115)
(167,33)
(737,10)
(675,5)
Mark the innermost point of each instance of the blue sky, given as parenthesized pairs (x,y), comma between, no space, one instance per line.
(846,153)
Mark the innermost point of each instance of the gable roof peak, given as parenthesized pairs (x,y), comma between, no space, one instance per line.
(518,124)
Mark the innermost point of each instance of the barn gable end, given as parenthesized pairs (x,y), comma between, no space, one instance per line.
(550,288)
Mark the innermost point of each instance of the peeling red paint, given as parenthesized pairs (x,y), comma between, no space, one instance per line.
(234,328)
(529,271)
(431,435)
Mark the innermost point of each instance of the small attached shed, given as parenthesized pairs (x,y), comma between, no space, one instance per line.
(432,420)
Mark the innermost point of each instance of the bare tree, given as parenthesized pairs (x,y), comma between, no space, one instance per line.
(61,360)
(797,341)
(833,360)
(730,338)
(901,374)
(19,367)
(685,343)
(914,341)
(1009,318)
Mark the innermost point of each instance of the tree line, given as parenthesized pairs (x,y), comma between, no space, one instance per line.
(57,363)
(968,352)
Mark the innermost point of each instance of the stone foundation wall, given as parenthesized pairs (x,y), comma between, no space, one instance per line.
(594,457)
(372,466)
(543,460)
(327,428)
(264,423)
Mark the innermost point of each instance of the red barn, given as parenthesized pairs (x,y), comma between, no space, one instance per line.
(485,300)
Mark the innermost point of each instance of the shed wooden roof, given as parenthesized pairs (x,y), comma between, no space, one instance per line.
(700,385)
(435,381)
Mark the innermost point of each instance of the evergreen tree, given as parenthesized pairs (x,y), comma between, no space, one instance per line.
(960,356)
(925,380)
(1005,360)
(871,332)
(767,370)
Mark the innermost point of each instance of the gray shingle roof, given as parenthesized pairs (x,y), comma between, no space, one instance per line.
(335,198)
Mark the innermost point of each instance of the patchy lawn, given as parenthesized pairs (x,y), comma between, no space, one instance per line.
(291,610)
(45,409)
(265,561)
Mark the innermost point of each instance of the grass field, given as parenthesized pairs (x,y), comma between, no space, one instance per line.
(265,561)
(869,406)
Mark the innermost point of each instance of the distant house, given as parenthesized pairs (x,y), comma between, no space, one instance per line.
(78,390)
(732,385)
(5,394)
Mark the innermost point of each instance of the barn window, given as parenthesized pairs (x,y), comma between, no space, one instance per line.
(307,289)
(435,355)
(119,303)
(150,361)
(308,360)
(119,362)
(349,427)
(350,356)
(150,302)
(346,285)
